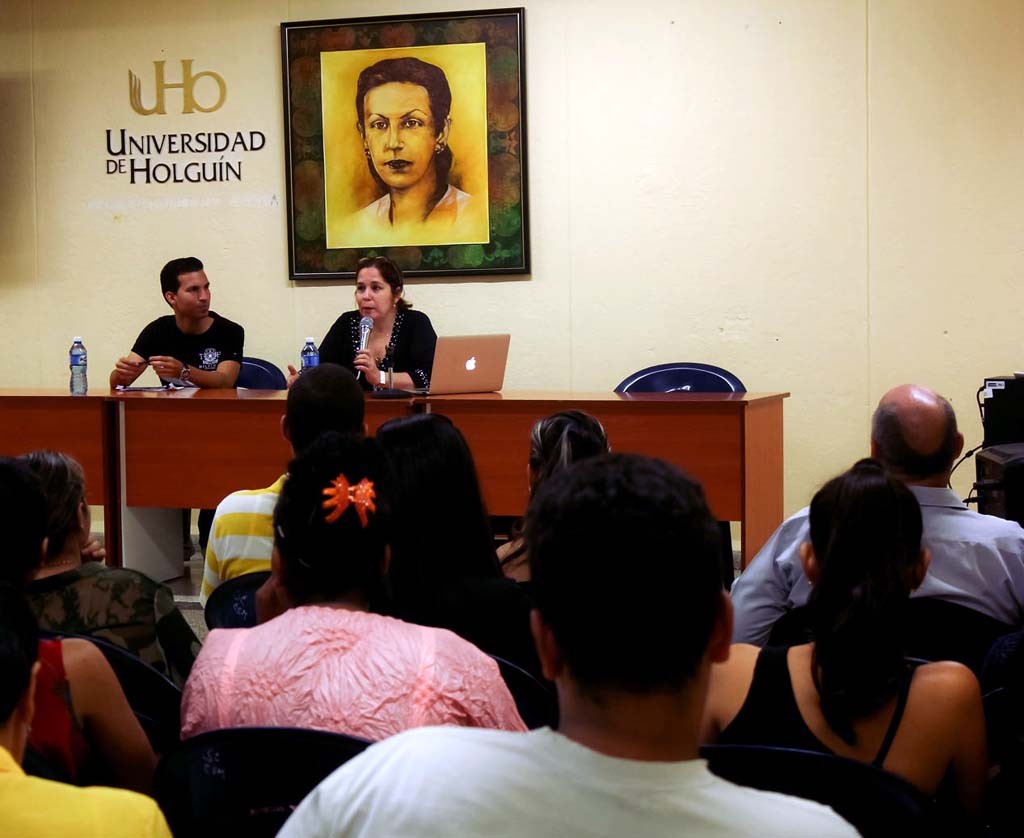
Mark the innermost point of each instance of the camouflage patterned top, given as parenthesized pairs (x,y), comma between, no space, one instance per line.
(121,606)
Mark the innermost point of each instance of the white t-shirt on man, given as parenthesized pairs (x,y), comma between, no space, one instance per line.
(448,781)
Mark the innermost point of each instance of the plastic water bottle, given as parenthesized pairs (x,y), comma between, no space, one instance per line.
(78,362)
(310,355)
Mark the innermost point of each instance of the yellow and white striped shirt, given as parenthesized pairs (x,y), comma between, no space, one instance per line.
(241,536)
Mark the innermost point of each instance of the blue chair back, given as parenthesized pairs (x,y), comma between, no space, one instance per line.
(246,780)
(681,376)
(154,698)
(257,374)
(233,603)
(874,801)
(536,701)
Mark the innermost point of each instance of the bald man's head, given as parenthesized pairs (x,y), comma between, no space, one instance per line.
(913,431)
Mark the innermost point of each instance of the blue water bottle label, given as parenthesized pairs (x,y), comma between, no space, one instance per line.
(310,361)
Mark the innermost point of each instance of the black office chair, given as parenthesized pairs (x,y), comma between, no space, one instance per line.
(681,376)
(935,630)
(247,780)
(233,603)
(536,702)
(874,801)
(257,374)
(154,698)
(690,377)
(940,630)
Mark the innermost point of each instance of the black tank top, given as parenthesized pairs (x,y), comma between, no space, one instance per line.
(770,715)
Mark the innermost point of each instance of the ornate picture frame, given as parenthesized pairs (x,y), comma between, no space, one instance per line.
(405,136)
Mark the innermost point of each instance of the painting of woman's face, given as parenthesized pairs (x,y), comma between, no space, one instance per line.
(399,133)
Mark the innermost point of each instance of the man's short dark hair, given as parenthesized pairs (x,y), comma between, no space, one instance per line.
(23,520)
(624,562)
(174,269)
(19,647)
(325,398)
(893,449)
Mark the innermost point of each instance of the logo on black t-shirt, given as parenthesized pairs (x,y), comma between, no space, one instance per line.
(209,358)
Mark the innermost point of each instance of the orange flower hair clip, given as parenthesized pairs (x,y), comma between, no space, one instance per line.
(340,494)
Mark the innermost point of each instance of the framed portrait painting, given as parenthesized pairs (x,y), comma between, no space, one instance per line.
(405,137)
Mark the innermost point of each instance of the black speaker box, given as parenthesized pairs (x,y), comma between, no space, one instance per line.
(1000,486)
(1004,410)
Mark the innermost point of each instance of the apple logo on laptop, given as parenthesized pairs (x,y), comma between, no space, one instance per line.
(471,363)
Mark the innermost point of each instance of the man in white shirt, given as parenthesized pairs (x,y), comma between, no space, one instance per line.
(977,560)
(631,615)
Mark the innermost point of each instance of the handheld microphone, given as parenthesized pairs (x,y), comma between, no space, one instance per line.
(365,327)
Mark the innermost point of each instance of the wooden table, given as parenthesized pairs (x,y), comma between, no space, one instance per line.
(190,448)
(82,426)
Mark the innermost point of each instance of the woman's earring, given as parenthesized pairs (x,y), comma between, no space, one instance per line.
(366,151)
(438,148)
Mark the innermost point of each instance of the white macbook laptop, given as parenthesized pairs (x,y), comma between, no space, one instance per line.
(469,364)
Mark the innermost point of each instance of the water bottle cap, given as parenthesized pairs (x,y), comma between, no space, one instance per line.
(76,339)
(310,340)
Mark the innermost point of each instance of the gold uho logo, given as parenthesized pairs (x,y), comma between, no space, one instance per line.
(187,85)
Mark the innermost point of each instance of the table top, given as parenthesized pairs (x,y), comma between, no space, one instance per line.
(506,396)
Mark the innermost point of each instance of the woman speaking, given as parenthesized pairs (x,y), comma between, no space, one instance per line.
(402,340)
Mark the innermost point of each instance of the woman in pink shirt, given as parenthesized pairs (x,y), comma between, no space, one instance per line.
(326,662)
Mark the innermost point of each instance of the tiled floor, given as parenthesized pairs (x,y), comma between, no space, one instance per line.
(186,595)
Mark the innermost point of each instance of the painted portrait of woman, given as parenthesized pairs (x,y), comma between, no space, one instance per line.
(404,120)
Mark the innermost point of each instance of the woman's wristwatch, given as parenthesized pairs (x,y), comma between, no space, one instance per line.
(186,374)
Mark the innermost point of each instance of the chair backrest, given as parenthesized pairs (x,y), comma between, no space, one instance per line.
(246,781)
(681,376)
(874,801)
(935,630)
(233,603)
(257,374)
(940,630)
(536,702)
(154,698)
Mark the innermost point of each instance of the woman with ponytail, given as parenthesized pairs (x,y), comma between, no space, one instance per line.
(850,691)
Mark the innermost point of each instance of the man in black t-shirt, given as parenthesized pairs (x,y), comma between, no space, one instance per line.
(194,346)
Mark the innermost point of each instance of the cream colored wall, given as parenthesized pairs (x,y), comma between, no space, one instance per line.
(946,141)
(822,196)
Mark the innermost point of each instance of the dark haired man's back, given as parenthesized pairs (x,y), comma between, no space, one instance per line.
(631,674)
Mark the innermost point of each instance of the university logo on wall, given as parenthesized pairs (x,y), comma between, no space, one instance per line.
(406,138)
(187,86)
(191,156)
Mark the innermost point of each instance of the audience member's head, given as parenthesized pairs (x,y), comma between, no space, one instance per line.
(331,523)
(442,531)
(63,484)
(624,559)
(561,439)
(556,442)
(914,433)
(23,519)
(324,398)
(18,652)
(864,560)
